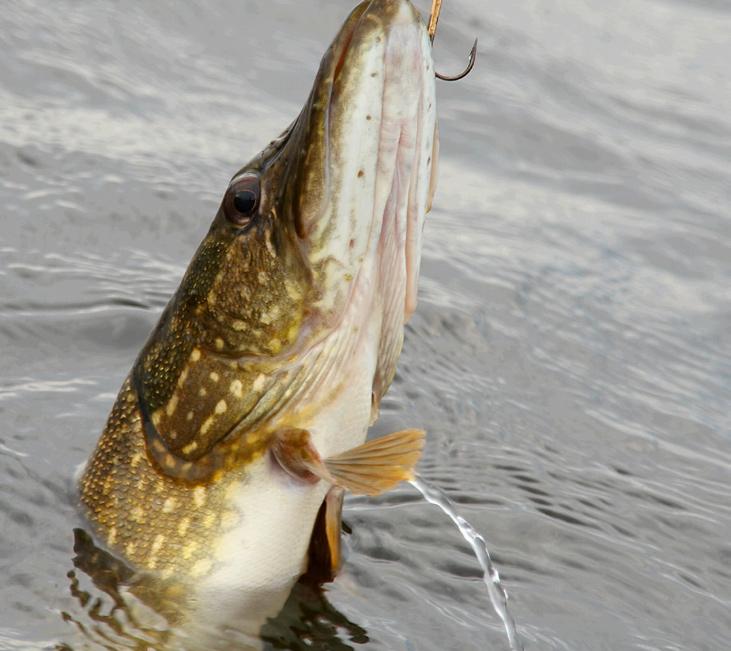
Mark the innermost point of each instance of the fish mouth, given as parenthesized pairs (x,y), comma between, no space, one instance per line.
(365,179)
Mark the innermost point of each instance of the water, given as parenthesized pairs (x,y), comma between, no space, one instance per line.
(498,596)
(570,356)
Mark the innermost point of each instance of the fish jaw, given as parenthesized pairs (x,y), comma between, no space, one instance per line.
(374,157)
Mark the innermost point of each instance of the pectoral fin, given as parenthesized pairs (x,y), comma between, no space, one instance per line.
(378,465)
(369,469)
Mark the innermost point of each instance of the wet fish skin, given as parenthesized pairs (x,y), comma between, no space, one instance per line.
(289,316)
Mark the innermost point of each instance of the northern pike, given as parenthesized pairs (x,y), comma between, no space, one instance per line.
(247,409)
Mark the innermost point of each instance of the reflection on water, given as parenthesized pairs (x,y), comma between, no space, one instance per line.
(569,356)
(125,609)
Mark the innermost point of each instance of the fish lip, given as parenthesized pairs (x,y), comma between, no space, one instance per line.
(391,18)
(381,55)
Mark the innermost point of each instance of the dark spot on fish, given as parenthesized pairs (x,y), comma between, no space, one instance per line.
(368,117)
(374,74)
(361,174)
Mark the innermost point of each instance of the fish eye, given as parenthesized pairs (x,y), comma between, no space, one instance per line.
(242,200)
(245,202)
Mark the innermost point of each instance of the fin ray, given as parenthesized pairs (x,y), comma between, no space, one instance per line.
(378,465)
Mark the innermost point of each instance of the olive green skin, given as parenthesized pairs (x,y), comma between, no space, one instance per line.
(222,361)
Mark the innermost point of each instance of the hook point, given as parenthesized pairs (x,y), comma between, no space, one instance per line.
(466,71)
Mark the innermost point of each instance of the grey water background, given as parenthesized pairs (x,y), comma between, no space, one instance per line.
(570,356)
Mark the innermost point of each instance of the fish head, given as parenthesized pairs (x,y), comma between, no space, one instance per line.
(332,209)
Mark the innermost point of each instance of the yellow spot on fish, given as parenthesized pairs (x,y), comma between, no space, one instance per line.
(189,416)
(207,424)
(137,514)
(157,544)
(259,382)
(215,377)
(201,567)
(221,407)
(191,447)
(238,325)
(183,377)
(135,460)
(292,333)
(195,355)
(275,345)
(237,388)
(189,550)
(219,343)
(262,277)
(169,461)
(202,392)
(183,526)
(169,505)
(172,404)
(156,418)
(292,290)
(199,496)
(209,520)
(130,549)
(112,538)
(270,248)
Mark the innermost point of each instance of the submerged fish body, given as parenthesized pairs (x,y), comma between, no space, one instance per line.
(290,320)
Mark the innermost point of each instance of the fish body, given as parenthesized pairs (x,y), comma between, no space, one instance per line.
(288,321)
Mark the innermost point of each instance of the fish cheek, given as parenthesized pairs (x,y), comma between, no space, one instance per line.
(258,301)
(180,329)
(232,313)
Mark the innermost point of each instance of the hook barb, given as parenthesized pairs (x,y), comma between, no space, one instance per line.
(436,9)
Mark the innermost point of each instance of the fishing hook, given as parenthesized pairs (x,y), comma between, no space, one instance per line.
(436,8)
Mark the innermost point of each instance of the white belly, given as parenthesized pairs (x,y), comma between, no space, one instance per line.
(257,562)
